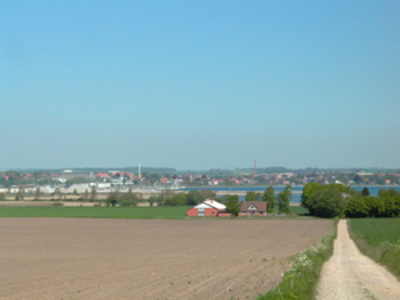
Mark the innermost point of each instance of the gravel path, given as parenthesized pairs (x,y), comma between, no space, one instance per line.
(351,275)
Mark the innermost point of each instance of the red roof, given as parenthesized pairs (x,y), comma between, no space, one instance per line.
(102,175)
(254,206)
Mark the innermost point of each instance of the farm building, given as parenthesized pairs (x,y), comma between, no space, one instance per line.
(209,208)
(212,208)
(253,208)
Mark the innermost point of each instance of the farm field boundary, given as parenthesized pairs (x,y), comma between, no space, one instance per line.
(301,280)
(379,239)
(162,212)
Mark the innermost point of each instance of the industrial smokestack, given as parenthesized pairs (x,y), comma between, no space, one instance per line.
(255,168)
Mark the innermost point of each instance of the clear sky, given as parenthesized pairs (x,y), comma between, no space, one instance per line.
(199,84)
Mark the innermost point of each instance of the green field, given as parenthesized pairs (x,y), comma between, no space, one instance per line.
(162,212)
(298,210)
(377,231)
(379,239)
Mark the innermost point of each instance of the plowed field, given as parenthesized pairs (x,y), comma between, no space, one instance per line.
(54,258)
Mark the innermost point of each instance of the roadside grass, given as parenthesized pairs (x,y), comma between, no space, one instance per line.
(301,281)
(161,212)
(379,239)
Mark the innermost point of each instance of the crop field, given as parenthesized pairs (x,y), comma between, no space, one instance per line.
(161,212)
(158,212)
(377,231)
(379,239)
(76,258)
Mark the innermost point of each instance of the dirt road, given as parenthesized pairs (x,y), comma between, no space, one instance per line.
(55,258)
(351,275)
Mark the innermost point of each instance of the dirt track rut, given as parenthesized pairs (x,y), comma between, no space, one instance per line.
(351,275)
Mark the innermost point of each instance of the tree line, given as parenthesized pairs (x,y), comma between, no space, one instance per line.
(281,202)
(336,200)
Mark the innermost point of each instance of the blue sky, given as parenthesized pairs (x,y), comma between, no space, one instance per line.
(199,84)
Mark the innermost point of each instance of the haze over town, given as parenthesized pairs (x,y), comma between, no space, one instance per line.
(199,84)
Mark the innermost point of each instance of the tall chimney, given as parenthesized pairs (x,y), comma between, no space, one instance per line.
(255,168)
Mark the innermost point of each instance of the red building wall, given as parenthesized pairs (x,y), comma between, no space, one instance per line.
(208,212)
(256,213)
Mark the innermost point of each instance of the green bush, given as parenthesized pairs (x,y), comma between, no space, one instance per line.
(127,202)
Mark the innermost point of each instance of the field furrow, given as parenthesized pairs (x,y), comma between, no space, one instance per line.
(55,258)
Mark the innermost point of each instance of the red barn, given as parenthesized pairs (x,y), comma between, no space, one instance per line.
(209,208)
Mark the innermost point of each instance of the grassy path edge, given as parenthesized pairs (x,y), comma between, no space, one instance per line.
(386,253)
(301,280)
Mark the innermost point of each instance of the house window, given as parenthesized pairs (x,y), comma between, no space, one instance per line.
(243,213)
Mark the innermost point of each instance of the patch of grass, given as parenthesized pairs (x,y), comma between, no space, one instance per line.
(299,210)
(379,239)
(162,212)
(300,282)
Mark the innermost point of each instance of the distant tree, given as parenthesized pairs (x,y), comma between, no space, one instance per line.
(75,192)
(85,196)
(176,199)
(194,197)
(37,193)
(57,193)
(269,197)
(155,200)
(252,196)
(376,206)
(328,202)
(365,192)
(284,198)
(20,194)
(93,194)
(208,194)
(356,208)
(112,199)
(233,205)
(127,199)
(2,197)
(307,199)
(223,199)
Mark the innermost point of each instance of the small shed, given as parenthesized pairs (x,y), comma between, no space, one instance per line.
(253,208)
(209,208)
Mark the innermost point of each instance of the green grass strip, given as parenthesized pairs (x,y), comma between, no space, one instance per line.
(378,239)
(300,282)
(162,212)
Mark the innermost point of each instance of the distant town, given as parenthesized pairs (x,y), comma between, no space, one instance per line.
(158,178)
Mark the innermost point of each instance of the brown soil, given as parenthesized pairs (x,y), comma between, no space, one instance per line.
(351,275)
(50,258)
